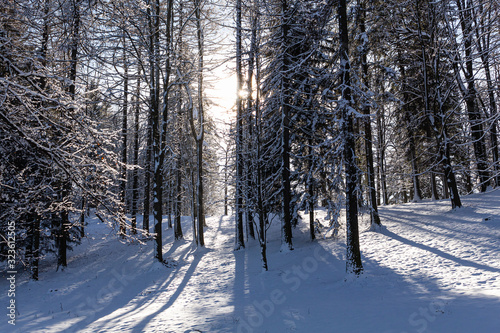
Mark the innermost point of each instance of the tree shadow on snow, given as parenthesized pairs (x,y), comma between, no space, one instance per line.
(440,253)
(139,327)
(150,292)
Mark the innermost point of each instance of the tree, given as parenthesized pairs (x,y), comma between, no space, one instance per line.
(123,168)
(367,129)
(285,125)
(51,148)
(135,159)
(257,143)
(199,133)
(154,77)
(239,239)
(354,264)
(440,102)
(277,100)
(484,16)
(470,92)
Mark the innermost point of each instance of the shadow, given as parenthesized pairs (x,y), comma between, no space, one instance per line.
(470,227)
(74,299)
(240,278)
(413,302)
(265,301)
(440,253)
(135,293)
(317,291)
(219,229)
(175,245)
(139,327)
(131,289)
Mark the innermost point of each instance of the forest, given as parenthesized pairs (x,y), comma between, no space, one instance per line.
(107,110)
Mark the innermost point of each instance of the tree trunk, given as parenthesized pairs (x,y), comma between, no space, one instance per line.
(285,130)
(36,248)
(250,200)
(353,257)
(381,157)
(200,136)
(178,234)
(64,225)
(165,113)
(226,180)
(155,114)
(66,183)
(375,218)
(435,195)
(135,176)
(471,96)
(151,123)
(262,232)
(310,190)
(147,177)
(483,41)
(33,248)
(178,200)
(440,134)
(193,207)
(445,187)
(239,237)
(82,217)
(417,195)
(123,167)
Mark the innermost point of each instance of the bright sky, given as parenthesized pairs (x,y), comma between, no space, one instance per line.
(223,95)
(223,77)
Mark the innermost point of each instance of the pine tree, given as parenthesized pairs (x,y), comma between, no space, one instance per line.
(354,264)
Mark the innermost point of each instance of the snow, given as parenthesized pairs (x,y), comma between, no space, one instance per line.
(429,269)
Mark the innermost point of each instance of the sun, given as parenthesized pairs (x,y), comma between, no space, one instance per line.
(243,93)
(223,95)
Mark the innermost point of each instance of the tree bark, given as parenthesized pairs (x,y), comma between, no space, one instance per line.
(285,129)
(66,183)
(123,167)
(178,200)
(239,237)
(353,264)
(375,218)
(135,176)
(165,110)
(412,156)
(438,112)
(250,193)
(310,190)
(155,114)
(471,96)
(200,134)
(381,156)
(483,36)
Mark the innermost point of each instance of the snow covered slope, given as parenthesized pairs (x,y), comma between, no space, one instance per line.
(429,270)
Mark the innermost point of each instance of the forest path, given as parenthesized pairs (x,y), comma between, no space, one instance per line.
(193,294)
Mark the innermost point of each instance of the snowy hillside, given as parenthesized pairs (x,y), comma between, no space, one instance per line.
(429,270)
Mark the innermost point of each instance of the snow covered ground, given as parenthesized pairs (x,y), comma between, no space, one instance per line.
(430,269)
